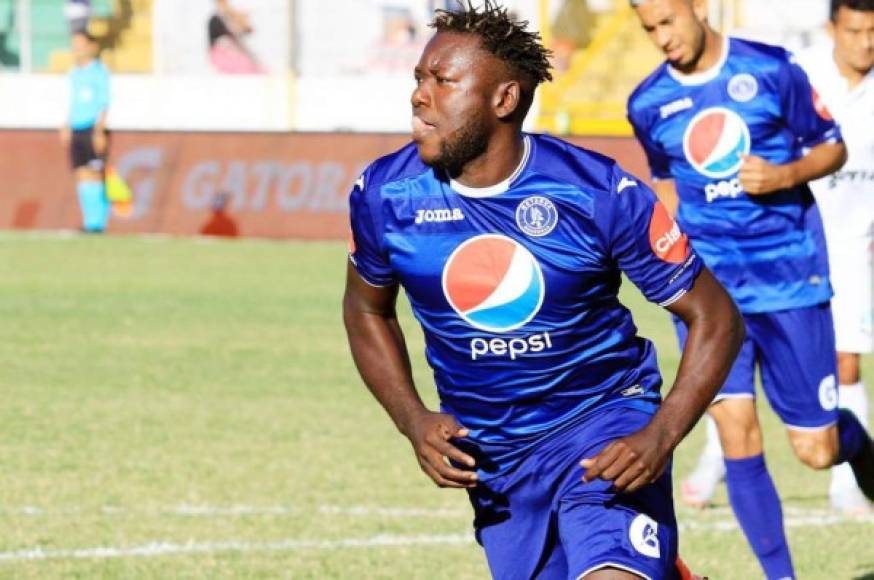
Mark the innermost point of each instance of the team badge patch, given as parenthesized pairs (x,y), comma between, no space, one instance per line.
(536,216)
(493,283)
(714,142)
(743,87)
(828,393)
(667,241)
(644,535)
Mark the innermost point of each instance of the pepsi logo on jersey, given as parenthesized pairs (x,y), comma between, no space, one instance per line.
(714,143)
(496,285)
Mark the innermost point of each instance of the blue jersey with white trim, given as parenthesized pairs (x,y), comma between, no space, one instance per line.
(516,286)
(767,250)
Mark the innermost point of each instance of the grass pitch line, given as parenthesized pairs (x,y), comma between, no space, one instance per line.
(154,549)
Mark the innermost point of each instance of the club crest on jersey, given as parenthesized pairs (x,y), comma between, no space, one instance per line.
(743,87)
(536,216)
(714,142)
(493,283)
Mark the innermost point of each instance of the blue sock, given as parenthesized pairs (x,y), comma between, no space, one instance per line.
(756,505)
(94,205)
(851,436)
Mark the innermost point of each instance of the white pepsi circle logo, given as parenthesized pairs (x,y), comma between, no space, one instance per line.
(743,87)
(714,142)
(493,283)
(536,216)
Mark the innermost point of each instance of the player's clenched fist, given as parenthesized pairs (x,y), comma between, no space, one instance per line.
(630,462)
(759,177)
(431,435)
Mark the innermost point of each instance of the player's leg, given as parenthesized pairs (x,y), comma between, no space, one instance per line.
(697,490)
(90,183)
(606,534)
(751,491)
(852,308)
(798,376)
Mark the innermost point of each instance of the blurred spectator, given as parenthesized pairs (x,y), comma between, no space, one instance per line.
(228,52)
(571,30)
(77,13)
(398,49)
(220,224)
(85,132)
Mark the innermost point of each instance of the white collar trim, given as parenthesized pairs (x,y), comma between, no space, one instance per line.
(704,76)
(499,187)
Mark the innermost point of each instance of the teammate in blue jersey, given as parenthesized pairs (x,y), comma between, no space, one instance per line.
(510,247)
(732,135)
(85,132)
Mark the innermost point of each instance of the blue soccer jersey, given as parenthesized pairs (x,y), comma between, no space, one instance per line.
(767,250)
(515,286)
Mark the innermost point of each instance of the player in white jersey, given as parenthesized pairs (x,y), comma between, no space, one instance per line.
(842,72)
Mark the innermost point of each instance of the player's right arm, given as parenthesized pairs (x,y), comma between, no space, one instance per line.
(380,351)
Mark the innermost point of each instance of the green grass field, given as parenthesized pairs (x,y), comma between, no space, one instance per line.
(188,409)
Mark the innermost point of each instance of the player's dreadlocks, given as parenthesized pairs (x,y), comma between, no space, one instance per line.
(501,34)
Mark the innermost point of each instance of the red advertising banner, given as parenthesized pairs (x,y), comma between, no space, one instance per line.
(264,185)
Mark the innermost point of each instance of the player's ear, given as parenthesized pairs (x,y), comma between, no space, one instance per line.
(506,99)
(830,28)
(701,10)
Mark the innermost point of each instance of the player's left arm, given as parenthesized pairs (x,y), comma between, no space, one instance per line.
(716,332)
(99,139)
(759,177)
(813,127)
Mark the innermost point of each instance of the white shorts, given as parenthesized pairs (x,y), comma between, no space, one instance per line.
(853,303)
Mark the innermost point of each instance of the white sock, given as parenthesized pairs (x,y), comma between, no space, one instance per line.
(712,446)
(855,399)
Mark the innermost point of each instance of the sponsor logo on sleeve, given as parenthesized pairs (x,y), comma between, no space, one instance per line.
(668,242)
(820,106)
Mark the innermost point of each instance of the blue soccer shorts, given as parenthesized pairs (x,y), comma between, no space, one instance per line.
(541,521)
(795,352)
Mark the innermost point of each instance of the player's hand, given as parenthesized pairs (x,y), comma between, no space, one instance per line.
(431,436)
(759,177)
(98,141)
(630,462)
(65,136)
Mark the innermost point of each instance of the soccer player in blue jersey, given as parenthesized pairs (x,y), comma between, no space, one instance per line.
(85,132)
(732,135)
(510,247)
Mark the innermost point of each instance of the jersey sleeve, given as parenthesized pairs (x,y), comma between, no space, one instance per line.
(658,160)
(643,241)
(366,250)
(806,115)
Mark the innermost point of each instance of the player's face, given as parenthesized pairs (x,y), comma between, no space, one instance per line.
(853,31)
(452,116)
(82,48)
(677,28)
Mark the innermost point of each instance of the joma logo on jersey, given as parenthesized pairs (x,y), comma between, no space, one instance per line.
(438,215)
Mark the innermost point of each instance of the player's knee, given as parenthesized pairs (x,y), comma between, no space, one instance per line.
(816,454)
